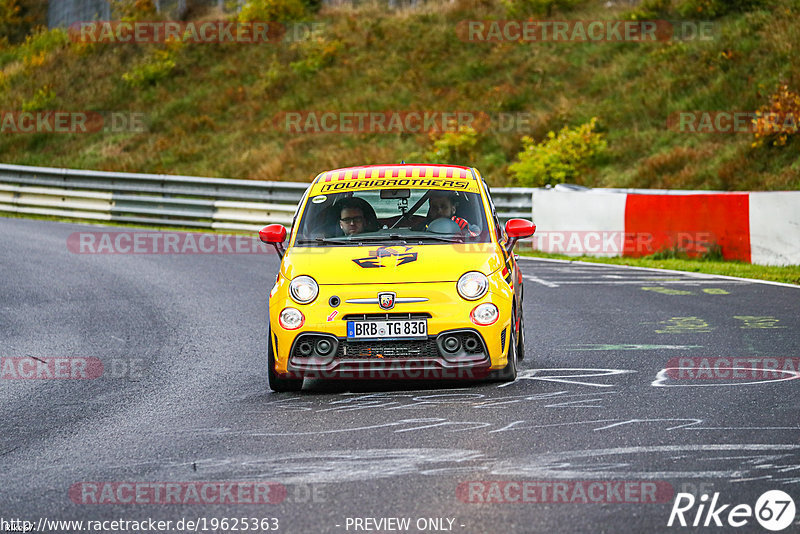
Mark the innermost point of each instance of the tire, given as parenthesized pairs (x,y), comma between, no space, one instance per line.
(521,341)
(509,372)
(276,382)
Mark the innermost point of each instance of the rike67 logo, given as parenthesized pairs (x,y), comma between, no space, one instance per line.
(774,510)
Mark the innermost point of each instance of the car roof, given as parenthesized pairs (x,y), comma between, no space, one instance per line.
(407,170)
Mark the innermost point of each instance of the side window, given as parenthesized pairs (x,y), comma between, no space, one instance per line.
(497,228)
(293,229)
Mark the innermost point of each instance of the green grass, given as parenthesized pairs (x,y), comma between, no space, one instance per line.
(212,115)
(789,274)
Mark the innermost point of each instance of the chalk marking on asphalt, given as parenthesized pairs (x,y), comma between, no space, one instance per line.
(684,325)
(690,422)
(567,465)
(533,374)
(754,321)
(577,404)
(666,291)
(511,426)
(661,378)
(419,402)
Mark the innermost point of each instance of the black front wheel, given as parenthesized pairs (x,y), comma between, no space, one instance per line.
(276,382)
(509,372)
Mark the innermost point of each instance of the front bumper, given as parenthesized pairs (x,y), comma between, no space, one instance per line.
(437,357)
(447,315)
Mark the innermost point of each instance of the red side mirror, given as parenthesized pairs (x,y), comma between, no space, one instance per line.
(275,235)
(517,229)
(272,234)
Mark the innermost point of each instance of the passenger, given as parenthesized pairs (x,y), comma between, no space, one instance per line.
(443,205)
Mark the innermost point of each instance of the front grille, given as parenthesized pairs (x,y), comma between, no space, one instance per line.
(388,349)
(384,316)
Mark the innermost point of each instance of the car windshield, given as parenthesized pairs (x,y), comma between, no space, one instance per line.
(391,216)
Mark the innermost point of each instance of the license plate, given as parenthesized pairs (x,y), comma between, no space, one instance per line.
(407,329)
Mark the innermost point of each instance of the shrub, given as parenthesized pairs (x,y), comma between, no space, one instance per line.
(151,69)
(525,8)
(42,42)
(133,9)
(702,9)
(18,18)
(453,146)
(779,120)
(43,99)
(317,54)
(273,10)
(10,19)
(714,8)
(651,9)
(560,157)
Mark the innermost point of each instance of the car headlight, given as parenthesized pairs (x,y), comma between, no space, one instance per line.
(484,314)
(303,289)
(291,318)
(472,285)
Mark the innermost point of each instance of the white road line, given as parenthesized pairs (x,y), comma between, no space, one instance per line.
(539,281)
(557,283)
(653,269)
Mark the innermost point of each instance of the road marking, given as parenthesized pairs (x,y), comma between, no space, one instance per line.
(717,277)
(540,281)
(662,378)
(567,378)
(684,325)
(753,321)
(715,291)
(621,462)
(667,291)
(591,346)
(590,281)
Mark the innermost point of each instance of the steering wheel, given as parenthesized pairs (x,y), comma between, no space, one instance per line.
(444,225)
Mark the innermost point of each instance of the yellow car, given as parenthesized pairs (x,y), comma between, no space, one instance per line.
(396,272)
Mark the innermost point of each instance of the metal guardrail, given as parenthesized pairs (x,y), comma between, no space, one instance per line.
(166,200)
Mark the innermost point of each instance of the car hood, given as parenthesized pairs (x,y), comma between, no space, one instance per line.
(393,264)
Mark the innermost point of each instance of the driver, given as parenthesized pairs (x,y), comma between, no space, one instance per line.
(356,216)
(443,205)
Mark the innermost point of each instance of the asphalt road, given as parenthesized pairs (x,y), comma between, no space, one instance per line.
(183,399)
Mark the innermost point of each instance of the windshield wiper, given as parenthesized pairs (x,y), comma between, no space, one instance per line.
(322,241)
(374,238)
(442,238)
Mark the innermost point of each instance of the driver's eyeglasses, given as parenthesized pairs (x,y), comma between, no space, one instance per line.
(352,220)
